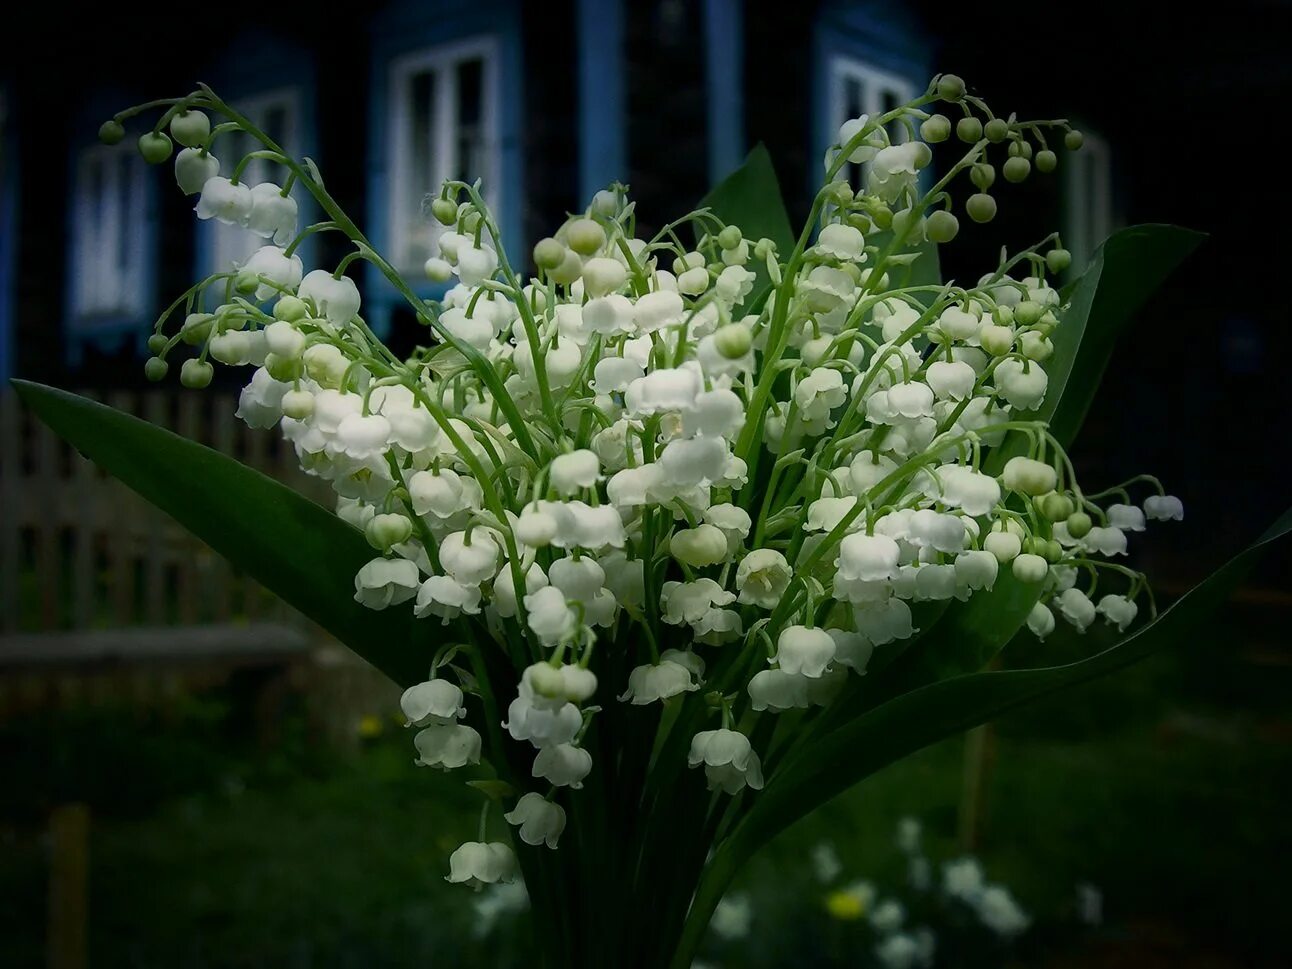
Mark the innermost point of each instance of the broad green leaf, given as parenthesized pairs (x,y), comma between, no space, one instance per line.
(296,549)
(938,710)
(1122,275)
(750,197)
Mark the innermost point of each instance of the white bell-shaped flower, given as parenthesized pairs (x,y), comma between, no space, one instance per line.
(563,765)
(868,557)
(1128,518)
(470,561)
(1164,508)
(540,821)
(447,745)
(447,597)
(434,701)
(478,863)
(730,762)
(277,271)
(976,569)
(804,650)
(841,241)
(951,379)
(336,299)
(550,616)
(690,602)
(655,311)
(1106,540)
(676,672)
(778,690)
(193,169)
(571,473)
(1118,610)
(386,582)
(273,214)
(224,201)
(852,650)
(1040,621)
(1022,383)
(1075,606)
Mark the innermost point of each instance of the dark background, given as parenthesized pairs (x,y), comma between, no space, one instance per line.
(219,844)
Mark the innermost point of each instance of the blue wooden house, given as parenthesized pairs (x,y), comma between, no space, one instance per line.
(545,102)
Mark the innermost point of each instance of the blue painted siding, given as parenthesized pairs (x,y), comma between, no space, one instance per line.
(725,85)
(255,64)
(109,332)
(879,35)
(404,28)
(603,106)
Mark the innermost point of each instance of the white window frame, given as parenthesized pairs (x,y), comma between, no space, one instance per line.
(109,234)
(875,83)
(227,245)
(1088,214)
(406,189)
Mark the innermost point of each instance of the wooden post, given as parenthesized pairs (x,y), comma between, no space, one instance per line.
(69,866)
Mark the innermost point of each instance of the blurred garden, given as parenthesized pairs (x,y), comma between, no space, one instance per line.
(1137,821)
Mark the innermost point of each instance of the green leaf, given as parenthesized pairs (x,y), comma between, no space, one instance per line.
(931,713)
(296,549)
(938,710)
(750,197)
(1122,275)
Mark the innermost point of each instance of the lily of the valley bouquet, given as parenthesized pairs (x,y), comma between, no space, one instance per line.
(669,538)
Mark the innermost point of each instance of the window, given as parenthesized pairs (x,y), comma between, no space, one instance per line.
(1087,199)
(277,114)
(442,124)
(109,278)
(855,88)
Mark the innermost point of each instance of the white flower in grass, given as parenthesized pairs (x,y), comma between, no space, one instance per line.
(1164,508)
(730,762)
(612,375)
(825,289)
(273,214)
(571,473)
(1000,912)
(951,379)
(386,582)
(279,272)
(543,725)
(563,765)
(868,469)
(260,403)
(888,916)
(193,169)
(716,413)
(676,672)
(894,170)
(976,569)
(1075,606)
(655,311)
(804,650)
(476,264)
(504,598)
(434,701)
(690,602)
(884,621)
(868,146)
(1128,518)
(362,437)
(1106,540)
(336,299)
(842,242)
(1029,477)
(591,526)
(224,201)
(852,650)
(868,557)
(718,626)
(540,821)
(778,690)
(1118,610)
(935,530)
(550,616)
(446,597)
(470,561)
(963,878)
(959,324)
(1040,621)
(963,487)
(478,863)
(447,745)
(443,493)
(1021,383)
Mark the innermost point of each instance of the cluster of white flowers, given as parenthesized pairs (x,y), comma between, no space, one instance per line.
(723,447)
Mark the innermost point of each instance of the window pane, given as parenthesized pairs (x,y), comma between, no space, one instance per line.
(470,108)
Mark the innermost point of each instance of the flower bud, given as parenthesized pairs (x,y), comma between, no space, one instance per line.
(996,340)
(1053,552)
(196,374)
(548,253)
(700,546)
(1028,476)
(158,342)
(693,282)
(284,368)
(291,309)
(951,87)
(1019,148)
(298,404)
(284,339)
(1028,312)
(1034,345)
(1073,140)
(383,531)
(190,128)
(1054,506)
(546,680)
(982,175)
(969,129)
(1030,568)
(936,128)
(444,211)
(605,203)
(941,226)
(438,270)
(602,276)
(1016,169)
(1058,260)
(585,236)
(980,207)
(569,270)
(996,130)
(1046,161)
(155,147)
(730,237)
(1079,524)
(112,132)
(155,369)
(1004,545)
(733,340)
(1003,315)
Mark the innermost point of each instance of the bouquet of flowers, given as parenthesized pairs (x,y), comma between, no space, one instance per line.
(668,539)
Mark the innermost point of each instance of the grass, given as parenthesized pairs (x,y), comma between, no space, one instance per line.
(210,854)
